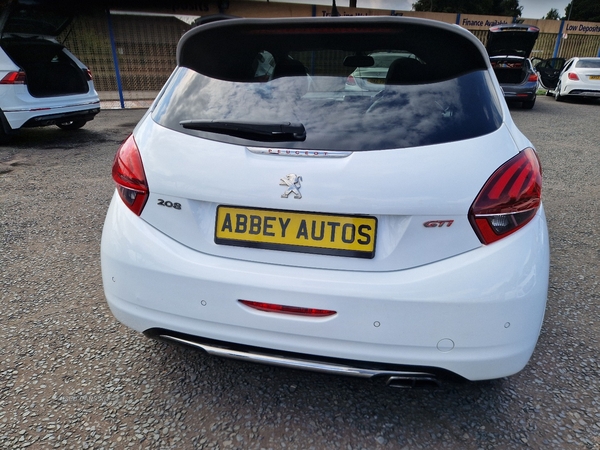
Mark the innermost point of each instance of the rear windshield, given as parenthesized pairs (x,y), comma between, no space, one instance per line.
(588,63)
(335,88)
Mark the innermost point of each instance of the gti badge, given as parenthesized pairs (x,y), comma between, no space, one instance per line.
(292,181)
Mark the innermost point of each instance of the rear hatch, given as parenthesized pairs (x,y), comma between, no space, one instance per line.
(512,40)
(298,171)
(410,207)
(45,18)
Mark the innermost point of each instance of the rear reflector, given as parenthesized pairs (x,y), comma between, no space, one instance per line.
(283,309)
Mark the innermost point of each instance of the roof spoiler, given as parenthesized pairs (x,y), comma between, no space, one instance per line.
(212,18)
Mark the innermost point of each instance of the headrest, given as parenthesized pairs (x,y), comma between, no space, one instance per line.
(407,71)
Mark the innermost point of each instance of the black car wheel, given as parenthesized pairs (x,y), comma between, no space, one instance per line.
(71,125)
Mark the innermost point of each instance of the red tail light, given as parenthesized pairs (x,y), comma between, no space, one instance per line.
(532,77)
(509,199)
(283,309)
(573,76)
(128,173)
(350,81)
(14,78)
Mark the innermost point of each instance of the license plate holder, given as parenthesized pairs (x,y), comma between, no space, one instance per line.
(292,231)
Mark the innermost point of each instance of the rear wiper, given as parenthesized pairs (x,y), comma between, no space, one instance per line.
(258,131)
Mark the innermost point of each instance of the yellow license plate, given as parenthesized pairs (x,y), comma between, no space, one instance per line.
(325,234)
(594,77)
(376,80)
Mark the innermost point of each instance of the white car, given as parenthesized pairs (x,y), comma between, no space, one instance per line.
(41,82)
(299,224)
(579,77)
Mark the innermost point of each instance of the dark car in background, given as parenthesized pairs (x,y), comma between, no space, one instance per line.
(509,47)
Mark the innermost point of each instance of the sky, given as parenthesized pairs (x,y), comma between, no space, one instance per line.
(532,9)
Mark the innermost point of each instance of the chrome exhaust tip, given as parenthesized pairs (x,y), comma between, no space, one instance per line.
(413,382)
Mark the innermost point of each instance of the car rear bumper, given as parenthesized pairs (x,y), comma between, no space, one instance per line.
(477,315)
(519,97)
(50,112)
(53,119)
(584,93)
(521,93)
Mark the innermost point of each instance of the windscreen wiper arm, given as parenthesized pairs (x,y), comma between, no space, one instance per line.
(258,131)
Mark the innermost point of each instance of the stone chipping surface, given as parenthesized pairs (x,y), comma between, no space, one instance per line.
(72,377)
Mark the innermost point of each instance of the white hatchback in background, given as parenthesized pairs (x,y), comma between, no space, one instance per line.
(287,220)
(41,82)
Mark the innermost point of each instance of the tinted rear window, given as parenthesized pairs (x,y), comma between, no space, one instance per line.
(588,63)
(266,72)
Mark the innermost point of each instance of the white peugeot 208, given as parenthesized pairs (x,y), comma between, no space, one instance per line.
(265,212)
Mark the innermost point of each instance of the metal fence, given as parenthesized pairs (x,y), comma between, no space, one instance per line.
(132,55)
(552,45)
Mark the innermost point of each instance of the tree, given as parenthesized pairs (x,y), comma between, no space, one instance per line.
(584,10)
(454,6)
(484,7)
(507,8)
(552,15)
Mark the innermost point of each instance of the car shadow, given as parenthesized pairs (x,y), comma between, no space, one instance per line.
(314,403)
(54,138)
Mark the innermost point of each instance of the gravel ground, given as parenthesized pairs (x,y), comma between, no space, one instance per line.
(72,377)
